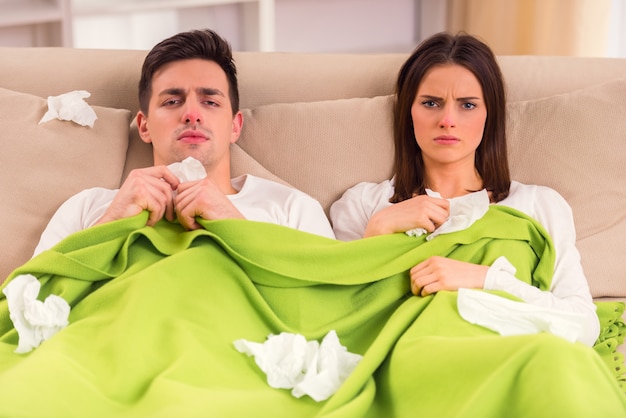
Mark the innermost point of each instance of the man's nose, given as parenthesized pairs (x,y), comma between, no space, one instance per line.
(192,114)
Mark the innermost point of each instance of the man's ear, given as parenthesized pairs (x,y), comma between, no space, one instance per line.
(237,126)
(142,127)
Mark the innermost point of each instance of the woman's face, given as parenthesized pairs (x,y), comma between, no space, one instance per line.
(449,115)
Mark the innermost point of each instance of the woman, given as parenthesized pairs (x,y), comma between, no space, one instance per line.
(449,135)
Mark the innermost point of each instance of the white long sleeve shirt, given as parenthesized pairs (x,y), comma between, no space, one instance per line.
(257,199)
(569,290)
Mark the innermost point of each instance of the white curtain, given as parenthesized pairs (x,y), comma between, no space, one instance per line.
(535,27)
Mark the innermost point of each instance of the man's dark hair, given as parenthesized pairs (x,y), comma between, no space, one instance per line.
(204,44)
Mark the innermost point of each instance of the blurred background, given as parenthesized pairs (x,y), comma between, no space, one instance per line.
(510,27)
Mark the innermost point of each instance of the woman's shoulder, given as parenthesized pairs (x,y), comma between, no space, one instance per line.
(370,192)
(384,187)
(538,192)
(368,196)
(534,198)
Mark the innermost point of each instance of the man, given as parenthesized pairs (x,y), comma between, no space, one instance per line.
(189,107)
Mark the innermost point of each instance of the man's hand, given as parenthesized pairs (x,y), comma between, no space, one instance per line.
(204,199)
(418,212)
(148,189)
(440,273)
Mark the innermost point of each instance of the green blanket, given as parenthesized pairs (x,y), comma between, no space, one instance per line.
(155,311)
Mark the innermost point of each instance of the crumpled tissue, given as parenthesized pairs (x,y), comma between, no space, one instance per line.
(509,317)
(464,211)
(306,367)
(70,106)
(34,320)
(188,169)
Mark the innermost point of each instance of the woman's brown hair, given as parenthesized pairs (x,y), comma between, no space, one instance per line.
(491,155)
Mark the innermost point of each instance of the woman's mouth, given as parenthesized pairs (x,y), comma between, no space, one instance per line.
(446,140)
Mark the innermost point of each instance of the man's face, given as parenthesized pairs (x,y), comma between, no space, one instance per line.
(190,115)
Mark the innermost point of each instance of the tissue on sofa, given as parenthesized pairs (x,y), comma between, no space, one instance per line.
(72,107)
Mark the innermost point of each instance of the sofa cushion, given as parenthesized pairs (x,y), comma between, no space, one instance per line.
(326,146)
(576,143)
(43,165)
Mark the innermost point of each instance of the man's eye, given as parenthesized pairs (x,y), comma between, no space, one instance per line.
(171,102)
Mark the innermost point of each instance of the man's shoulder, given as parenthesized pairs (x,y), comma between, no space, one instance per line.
(252,182)
(92,195)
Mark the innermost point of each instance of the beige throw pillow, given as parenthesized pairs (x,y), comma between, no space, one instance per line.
(322,148)
(43,165)
(576,144)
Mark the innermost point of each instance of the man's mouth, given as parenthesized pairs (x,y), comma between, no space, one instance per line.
(192,137)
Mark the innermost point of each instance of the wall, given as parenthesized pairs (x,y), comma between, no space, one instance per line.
(299,25)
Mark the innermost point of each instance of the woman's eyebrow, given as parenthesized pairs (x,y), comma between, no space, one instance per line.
(435,98)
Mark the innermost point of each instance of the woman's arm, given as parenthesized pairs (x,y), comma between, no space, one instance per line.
(365,211)
(351,213)
(569,290)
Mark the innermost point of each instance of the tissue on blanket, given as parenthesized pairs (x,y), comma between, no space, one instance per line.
(34,320)
(306,367)
(189,169)
(509,317)
(464,211)
(70,106)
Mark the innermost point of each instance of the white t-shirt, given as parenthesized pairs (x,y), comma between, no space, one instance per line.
(257,199)
(569,290)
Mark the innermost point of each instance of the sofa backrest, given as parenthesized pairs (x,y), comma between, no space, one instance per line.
(321,122)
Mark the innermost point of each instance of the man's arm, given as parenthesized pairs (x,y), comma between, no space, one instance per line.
(79,212)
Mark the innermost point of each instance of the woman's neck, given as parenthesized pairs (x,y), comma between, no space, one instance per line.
(454,184)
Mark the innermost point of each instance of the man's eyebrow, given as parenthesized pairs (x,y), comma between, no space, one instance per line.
(206,91)
(171,92)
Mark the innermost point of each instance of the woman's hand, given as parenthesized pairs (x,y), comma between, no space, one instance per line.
(418,212)
(440,273)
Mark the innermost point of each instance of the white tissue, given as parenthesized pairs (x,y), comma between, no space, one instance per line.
(189,169)
(306,367)
(509,317)
(34,320)
(70,106)
(464,211)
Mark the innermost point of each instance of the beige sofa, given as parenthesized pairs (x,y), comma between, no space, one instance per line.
(320,123)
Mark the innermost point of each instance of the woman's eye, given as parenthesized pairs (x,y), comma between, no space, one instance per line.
(429,103)
(468,106)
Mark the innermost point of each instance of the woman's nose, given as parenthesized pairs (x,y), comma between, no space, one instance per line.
(447,118)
